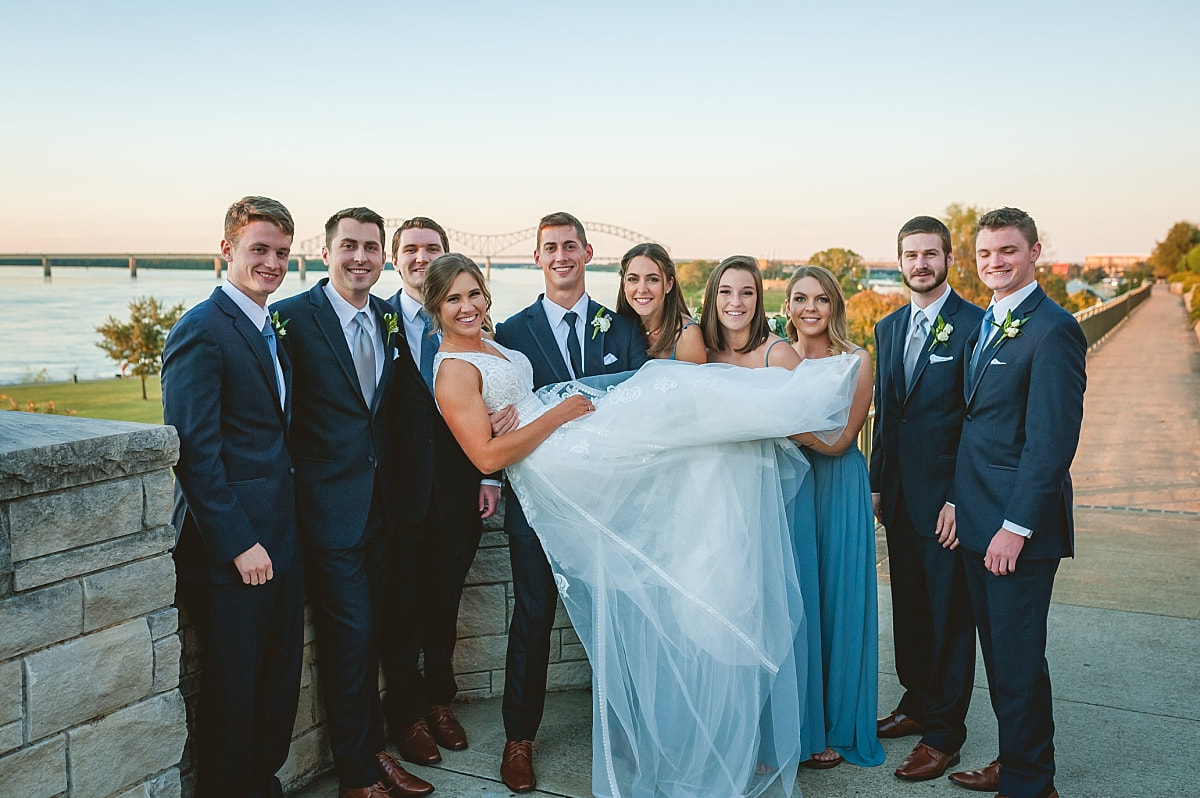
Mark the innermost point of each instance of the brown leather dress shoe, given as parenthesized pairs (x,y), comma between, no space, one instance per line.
(376,790)
(399,780)
(895,725)
(986,780)
(446,729)
(925,763)
(416,744)
(516,768)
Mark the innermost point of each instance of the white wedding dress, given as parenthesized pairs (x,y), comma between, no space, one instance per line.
(664,517)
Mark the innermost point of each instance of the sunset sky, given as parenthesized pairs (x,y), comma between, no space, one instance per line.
(774,129)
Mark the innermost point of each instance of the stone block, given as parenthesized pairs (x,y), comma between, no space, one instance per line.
(112,753)
(490,566)
(40,618)
(11,736)
(10,692)
(493,540)
(555,647)
(66,564)
(570,653)
(6,566)
(473,681)
(561,619)
(39,771)
(128,591)
(568,675)
(158,497)
(87,677)
(167,654)
(482,611)
(309,755)
(41,453)
(45,524)
(164,622)
(306,715)
(480,653)
(166,785)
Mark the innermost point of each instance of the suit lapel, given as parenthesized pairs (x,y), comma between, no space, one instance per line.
(593,345)
(331,328)
(949,308)
(381,309)
(895,354)
(998,341)
(258,345)
(543,336)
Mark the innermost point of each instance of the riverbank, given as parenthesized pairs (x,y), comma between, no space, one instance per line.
(119,399)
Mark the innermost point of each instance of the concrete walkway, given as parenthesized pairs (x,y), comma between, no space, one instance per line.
(1124,626)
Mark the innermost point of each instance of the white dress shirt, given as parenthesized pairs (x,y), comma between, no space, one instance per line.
(554,314)
(346,313)
(258,317)
(414,326)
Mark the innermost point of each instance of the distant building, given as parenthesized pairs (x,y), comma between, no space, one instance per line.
(1115,265)
(885,280)
(1061,269)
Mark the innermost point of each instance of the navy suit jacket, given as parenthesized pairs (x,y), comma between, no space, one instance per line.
(528,331)
(916,432)
(1020,431)
(431,464)
(339,443)
(234,479)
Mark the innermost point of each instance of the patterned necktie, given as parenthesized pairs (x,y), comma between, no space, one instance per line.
(364,357)
(429,346)
(268,332)
(985,332)
(573,350)
(912,350)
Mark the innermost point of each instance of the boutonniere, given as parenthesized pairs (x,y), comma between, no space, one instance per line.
(1010,327)
(941,332)
(601,323)
(778,325)
(280,326)
(391,324)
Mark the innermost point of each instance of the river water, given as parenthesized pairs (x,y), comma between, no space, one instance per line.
(48,328)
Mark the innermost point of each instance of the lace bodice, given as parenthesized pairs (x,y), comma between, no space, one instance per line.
(505,381)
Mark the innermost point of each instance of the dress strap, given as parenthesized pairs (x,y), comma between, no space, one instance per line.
(675,348)
(767,357)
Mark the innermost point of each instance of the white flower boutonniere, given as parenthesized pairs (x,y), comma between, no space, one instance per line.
(601,323)
(778,325)
(280,326)
(1010,327)
(941,333)
(391,324)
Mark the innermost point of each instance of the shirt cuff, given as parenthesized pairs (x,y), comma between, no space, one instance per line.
(1018,529)
(495,483)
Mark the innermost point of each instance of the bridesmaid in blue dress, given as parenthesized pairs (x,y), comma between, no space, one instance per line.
(735,328)
(816,312)
(650,295)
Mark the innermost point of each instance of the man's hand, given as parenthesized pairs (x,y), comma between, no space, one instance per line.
(489,499)
(254,564)
(877,507)
(947,532)
(503,420)
(1002,552)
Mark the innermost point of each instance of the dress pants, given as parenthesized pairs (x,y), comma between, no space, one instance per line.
(430,560)
(1011,614)
(346,594)
(253,639)
(528,636)
(912,624)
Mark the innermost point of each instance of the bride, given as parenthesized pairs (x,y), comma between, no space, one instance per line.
(659,504)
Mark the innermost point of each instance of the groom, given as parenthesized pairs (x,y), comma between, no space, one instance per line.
(565,334)
(1012,491)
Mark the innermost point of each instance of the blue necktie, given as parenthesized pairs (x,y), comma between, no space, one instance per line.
(429,346)
(268,332)
(985,333)
(573,350)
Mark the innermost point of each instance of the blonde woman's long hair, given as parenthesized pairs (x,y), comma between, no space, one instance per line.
(839,337)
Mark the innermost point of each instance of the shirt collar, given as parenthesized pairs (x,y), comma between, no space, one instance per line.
(409,306)
(255,312)
(345,311)
(1001,307)
(555,312)
(931,312)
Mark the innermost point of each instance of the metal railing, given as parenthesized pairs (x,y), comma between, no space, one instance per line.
(1099,320)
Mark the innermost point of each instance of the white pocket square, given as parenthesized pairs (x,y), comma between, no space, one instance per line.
(609,359)
(395,354)
(940,359)
(997,362)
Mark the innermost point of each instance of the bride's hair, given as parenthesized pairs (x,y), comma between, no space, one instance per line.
(439,276)
(710,323)
(839,337)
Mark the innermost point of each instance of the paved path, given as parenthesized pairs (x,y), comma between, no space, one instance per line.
(1124,626)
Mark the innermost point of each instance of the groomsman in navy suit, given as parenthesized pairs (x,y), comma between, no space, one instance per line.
(341,342)
(227,388)
(1012,491)
(918,419)
(443,499)
(565,334)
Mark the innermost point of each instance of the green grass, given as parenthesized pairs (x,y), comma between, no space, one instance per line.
(115,399)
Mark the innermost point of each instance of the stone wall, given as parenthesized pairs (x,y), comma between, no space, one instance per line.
(89,655)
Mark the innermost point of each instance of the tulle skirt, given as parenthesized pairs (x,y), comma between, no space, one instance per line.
(665,517)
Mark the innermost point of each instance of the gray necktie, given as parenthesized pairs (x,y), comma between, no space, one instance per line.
(912,350)
(573,350)
(363,352)
(268,332)
(985,333)
(429,346)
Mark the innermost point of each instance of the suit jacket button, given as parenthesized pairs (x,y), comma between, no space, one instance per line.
(370,458)
(969,417)
(291,471)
